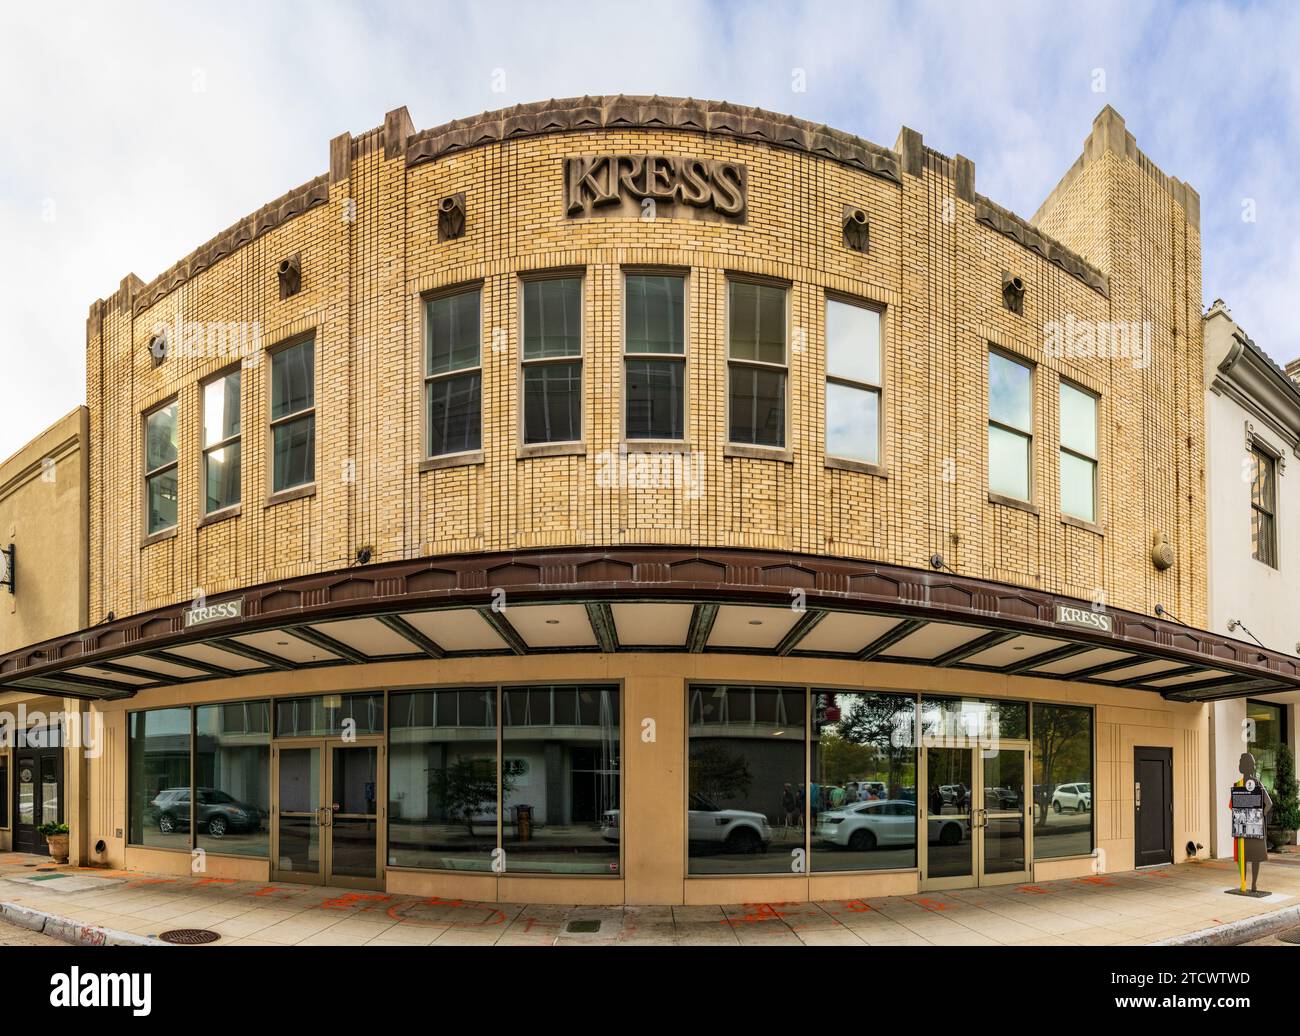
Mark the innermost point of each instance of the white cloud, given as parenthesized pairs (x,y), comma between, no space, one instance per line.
(101,116)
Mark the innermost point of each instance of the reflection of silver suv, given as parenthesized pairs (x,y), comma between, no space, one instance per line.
(1075,797)
(731,830)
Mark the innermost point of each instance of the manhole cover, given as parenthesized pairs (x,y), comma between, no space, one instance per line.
(582,927)
(1291,935)
(189,936)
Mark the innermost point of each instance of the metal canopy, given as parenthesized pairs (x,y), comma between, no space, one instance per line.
(648,599)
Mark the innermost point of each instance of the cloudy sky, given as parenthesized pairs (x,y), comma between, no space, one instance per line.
(136,132)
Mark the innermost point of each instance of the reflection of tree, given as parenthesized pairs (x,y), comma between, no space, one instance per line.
(466,786)
(862,743)
(1061,746)
(717,772)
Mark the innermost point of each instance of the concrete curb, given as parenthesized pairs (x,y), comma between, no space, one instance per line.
(1237,931)
(69,930)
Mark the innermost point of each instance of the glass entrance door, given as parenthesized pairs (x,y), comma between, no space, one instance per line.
(975,812)
(327,815)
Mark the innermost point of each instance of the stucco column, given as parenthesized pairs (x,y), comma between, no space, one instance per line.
(654,789)
(74,781)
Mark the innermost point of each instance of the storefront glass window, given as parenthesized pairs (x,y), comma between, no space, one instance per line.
(1062,757)
(560,781)
(442,780)
(747,803)
(966,721)
(158,751)
(330,715)
(863,793)
(1268,735)
(232,777)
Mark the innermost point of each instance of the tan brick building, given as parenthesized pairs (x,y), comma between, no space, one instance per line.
(643,500)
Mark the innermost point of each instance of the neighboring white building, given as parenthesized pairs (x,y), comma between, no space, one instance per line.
(1252,414)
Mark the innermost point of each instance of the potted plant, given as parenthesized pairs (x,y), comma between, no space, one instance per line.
(1285,820)
(56,837)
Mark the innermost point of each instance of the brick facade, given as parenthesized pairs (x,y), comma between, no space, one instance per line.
(371,250)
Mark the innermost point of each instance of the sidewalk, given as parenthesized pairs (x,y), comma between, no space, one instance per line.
(1132,908)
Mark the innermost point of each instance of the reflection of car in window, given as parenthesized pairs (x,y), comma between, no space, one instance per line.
(889,823)
(1075,797)
(218,812)
(709,825)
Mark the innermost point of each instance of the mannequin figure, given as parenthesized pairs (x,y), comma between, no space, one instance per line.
(1254,849)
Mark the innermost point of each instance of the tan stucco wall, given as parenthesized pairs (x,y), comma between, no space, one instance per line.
(43,512)
(654,773)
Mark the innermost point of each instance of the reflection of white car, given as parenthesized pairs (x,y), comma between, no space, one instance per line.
(731,830)
(1075,797)
(893,822)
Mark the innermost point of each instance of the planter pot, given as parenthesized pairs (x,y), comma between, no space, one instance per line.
(58,847)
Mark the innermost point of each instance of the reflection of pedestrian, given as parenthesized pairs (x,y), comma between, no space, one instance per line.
(837,797)
(936,801)
(851,792)
(787,805)
(801,801)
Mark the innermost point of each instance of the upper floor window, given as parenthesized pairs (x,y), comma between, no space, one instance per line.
(852,381)
(160,468)
(756,360)
(1078,453)
(453,377)
(1263,507)
(293,416)
(655,361)
(552,360)
(221,442)
(1011,426)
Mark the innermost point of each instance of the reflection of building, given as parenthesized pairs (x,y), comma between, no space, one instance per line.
(1252,415)
(464,437)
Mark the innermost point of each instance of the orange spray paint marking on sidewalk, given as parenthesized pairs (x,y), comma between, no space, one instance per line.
(278,891)
(140,882)
(1099,881)
(214,881)
(352,898)
(758,912)
(933,905)
(1036,890)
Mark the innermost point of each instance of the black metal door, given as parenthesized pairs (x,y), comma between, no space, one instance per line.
(38,796)
(1153,805)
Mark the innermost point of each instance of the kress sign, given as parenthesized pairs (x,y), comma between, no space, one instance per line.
(648,186)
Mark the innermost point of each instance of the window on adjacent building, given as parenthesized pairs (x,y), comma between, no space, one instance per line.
(221,443)
(852,381)
(1011,426)
(453,377)
(552,360)
(756,353)
(1078,453)
(655,362)
(293,416)
(1263,507)
(160,468)
(1266,731)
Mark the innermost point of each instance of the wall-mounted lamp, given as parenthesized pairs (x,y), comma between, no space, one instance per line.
(7,568)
